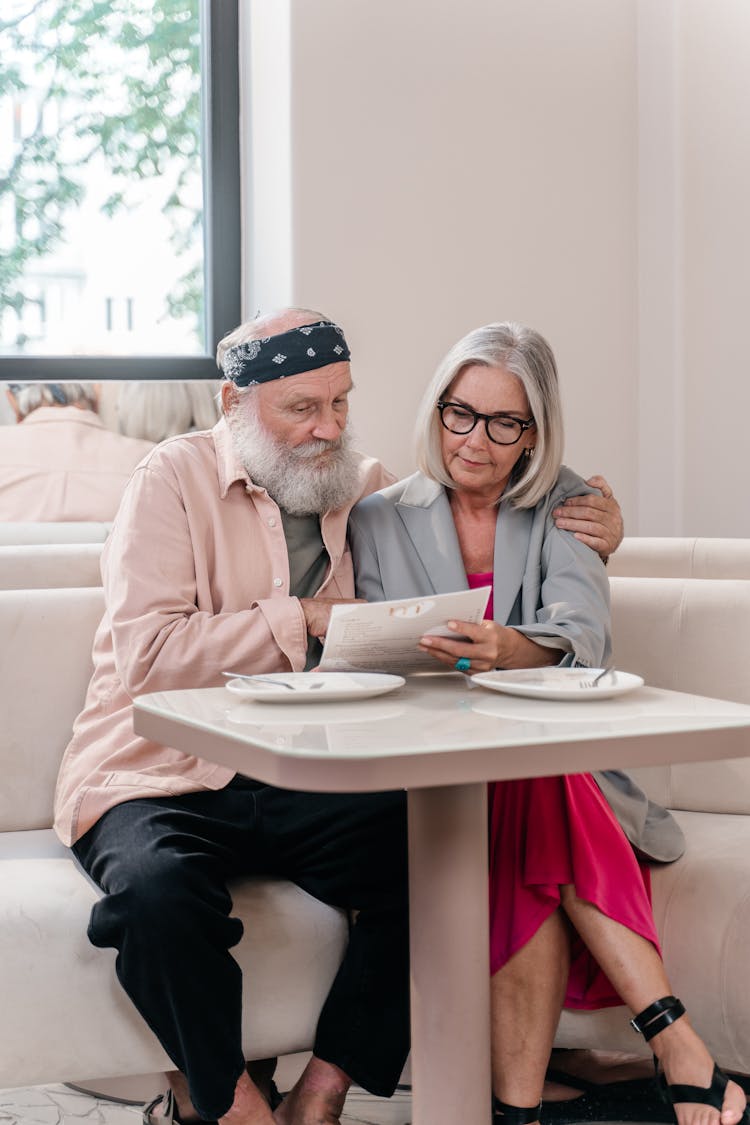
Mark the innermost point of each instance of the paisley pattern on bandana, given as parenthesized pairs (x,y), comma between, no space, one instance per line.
(289,353)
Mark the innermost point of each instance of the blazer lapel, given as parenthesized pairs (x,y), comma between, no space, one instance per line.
(512,535)
(425,512)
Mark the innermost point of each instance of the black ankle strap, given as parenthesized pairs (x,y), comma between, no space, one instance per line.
(514,1114)
(657,1016)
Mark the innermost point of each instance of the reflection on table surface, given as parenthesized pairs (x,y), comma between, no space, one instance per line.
(443,711)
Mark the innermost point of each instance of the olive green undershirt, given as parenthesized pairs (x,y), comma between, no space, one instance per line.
(308,563)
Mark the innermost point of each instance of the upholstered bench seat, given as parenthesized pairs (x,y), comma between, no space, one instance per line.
(65,1016)
(702,909)
(45,565)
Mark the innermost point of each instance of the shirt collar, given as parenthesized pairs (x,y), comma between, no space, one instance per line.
(229,466)
(62,414)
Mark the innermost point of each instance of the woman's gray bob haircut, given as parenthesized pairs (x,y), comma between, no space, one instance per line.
(528,356)
(29,396)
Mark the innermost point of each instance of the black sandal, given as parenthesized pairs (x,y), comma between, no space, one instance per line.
(628,1099)
(169,1114)
(514,1114)
(656,1018)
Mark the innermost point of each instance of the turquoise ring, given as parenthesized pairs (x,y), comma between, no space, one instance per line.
(463,664)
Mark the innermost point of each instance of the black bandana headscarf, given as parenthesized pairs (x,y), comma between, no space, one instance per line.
(288,353)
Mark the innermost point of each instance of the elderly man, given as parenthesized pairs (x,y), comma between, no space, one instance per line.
(228,552)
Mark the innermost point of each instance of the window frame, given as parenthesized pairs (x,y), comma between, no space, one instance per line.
(220,85)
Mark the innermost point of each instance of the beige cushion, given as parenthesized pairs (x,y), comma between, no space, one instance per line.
(702,911)
(45,667)
(49,565)
(681,558)
(53,532)
(688,634)
(66,1017)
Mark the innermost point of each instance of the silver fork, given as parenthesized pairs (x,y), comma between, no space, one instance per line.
(269,680)
(592,681)
(263,679)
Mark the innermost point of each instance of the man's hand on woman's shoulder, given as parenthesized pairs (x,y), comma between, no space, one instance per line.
(595,520)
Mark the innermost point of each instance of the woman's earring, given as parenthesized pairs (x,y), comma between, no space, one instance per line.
(530,452)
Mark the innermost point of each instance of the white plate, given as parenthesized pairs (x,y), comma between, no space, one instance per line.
(315,687)
(558,683)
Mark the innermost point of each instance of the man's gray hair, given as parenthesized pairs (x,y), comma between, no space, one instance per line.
(528,356)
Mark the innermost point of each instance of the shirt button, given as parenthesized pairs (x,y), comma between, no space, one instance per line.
(278,581)
(272,522)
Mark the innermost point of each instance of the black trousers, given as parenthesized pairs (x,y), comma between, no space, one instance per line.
(163,864)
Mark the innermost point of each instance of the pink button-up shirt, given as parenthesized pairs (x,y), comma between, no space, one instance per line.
(61,463)
(196,581)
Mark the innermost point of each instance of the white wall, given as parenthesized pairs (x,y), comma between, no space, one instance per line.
(715,98)
(417,168)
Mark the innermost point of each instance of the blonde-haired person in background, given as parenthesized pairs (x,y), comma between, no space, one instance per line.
(158,410)
(60,463)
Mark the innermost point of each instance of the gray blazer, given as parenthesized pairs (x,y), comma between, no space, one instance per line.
(546,584)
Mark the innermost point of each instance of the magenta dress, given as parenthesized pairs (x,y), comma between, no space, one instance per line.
(549,831)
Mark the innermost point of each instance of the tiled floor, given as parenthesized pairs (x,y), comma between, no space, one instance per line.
(63,1105)
(58,1105)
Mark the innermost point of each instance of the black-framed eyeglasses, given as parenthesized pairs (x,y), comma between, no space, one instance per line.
(502,429)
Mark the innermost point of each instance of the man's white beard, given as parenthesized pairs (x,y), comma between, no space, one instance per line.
(309,479)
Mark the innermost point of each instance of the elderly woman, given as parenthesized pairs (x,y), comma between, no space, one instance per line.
(570,912)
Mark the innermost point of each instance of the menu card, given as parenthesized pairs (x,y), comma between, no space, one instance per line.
(383,636)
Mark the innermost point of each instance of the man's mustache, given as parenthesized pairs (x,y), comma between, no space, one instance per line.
(312,449)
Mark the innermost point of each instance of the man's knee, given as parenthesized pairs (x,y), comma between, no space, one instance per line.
(159,896)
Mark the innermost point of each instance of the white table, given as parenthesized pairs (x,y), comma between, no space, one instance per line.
(442,738)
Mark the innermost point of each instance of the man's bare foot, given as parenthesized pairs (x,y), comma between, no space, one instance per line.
(249,1106)
(317,1098)
(260,1072)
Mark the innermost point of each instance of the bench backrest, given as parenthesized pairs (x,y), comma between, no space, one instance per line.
(46,638)
(52,532)
(688,634)
(643,557)
(49,565)
(685,634)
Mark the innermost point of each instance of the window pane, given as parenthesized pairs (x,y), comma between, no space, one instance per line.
(101,197)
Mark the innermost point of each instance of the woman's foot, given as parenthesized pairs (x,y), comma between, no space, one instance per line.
(685,1060)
